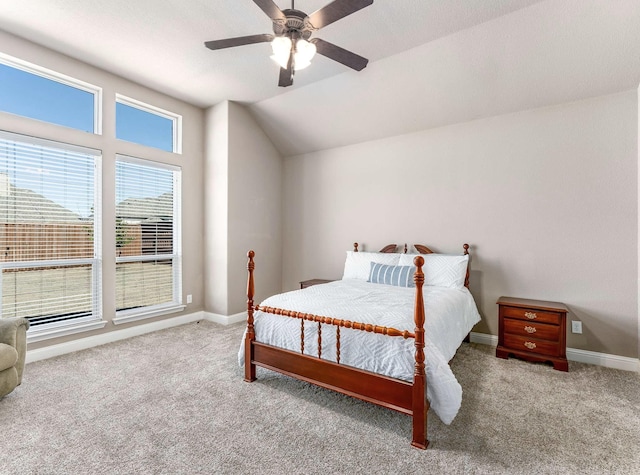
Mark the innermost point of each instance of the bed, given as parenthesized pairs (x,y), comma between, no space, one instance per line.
(364,335)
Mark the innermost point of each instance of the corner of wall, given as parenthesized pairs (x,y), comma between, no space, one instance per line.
(255,207)
(216,200)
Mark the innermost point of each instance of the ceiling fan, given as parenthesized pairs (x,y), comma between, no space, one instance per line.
(292,49)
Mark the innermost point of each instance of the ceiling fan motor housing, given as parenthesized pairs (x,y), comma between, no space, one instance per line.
(296,24)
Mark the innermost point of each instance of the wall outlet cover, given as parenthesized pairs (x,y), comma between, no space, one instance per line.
(576,326)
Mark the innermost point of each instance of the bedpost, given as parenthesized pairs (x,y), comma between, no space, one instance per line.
(355,247)
(466,252)
(249,366)
(467,339)
(420,406)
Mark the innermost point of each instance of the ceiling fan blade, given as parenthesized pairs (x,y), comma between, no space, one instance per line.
(340,55)
(271,9)
(335,11)
(238,41)
(286,75)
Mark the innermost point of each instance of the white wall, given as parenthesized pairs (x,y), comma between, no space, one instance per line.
(255,211)
(243,209)
(548,199)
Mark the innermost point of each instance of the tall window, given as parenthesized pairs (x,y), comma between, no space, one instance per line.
(38,93)
(148,253)
(49,231)
(147,125)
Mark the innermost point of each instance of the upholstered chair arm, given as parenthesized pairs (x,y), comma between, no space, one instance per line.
(13,331)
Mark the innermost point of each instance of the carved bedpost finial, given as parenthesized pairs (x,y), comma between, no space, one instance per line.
(418,277)
(355,247)
(405,248)
(466,253)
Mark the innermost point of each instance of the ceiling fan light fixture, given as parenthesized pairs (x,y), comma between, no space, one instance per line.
(305,52)
(281,47)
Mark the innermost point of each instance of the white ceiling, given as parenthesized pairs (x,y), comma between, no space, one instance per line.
(432,62)
(550,53)
(160,43)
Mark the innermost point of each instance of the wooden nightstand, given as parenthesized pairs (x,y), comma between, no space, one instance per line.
(533,330)
(308,283)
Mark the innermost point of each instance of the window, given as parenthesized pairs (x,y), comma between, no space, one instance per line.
(148,252)
(50,232)
(147,125)
(38,93)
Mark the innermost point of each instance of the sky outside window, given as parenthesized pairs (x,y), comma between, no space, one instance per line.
(143,127)
(29,95)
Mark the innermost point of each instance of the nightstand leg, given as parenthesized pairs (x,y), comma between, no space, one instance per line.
(500,353)
(561,365)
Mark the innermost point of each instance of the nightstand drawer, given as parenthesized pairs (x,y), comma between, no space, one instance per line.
(532,345)
(542,331)
(531,315)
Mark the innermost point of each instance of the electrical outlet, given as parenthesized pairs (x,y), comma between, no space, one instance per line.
(576,326)
(189,298)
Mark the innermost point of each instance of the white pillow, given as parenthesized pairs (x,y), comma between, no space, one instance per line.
(440,270)
(358,264)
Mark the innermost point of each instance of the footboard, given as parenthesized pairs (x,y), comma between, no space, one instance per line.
(402,396)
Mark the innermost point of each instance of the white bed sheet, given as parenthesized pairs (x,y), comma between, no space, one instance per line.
(449,313)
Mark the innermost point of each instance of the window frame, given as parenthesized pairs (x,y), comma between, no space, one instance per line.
(139,313)
(176,119)
(51,75)
(88,322)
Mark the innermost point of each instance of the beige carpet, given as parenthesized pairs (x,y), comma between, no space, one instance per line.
(174,402)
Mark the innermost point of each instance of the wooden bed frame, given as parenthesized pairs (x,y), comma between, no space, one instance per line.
(402,396)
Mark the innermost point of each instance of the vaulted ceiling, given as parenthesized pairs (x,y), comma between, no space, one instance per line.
(432,62)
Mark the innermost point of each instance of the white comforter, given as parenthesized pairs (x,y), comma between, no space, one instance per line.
(450,314)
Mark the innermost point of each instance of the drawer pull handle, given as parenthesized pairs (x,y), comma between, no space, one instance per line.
(529,344)
(530,315)
(529,329)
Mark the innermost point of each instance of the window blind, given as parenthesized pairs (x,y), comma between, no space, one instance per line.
(49,236)
(148,270)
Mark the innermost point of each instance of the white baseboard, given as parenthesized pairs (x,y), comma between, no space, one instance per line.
(109,337)
(225,319)
(603,359)
(575,354)
(484,339)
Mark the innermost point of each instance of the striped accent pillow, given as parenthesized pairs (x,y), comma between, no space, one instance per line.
(400,276)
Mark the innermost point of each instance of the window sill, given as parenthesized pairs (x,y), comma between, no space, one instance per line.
(46,333)
(127,316)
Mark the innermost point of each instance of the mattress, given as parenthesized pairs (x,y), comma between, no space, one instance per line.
(449,316)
